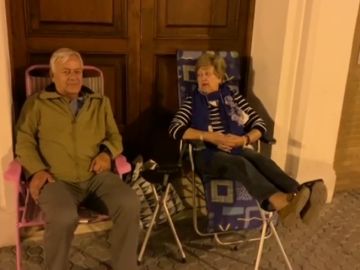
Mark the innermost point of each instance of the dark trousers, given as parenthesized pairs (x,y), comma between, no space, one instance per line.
(107,194)
(261,176)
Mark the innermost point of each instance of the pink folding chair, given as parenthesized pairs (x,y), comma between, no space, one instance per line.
(28,214)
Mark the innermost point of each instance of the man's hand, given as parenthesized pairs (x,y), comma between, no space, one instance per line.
(101,163)
(37,182)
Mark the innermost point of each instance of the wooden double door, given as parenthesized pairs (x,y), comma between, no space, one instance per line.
(134,43)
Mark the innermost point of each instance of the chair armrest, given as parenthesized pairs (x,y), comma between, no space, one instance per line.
(266,138)
(122,165)
(13,171)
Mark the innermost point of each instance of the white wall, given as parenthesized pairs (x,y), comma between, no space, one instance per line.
(7,204)
(305,87)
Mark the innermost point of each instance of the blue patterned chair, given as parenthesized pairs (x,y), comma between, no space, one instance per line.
(230,208)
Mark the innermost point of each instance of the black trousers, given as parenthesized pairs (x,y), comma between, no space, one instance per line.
(261,176)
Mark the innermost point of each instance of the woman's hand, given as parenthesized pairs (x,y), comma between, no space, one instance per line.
(225,142)
(237,141)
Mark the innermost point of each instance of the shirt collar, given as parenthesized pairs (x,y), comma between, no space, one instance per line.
(50,92)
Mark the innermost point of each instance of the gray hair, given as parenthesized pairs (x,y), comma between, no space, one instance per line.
(63,55)
(209,59)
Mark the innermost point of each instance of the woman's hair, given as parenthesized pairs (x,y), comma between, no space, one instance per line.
(63,55)
(216,61)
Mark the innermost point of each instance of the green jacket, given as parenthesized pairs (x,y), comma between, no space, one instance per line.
(50,137)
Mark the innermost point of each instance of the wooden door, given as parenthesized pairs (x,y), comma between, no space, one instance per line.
(134,43)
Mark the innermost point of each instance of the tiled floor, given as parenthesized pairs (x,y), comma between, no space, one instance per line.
(332,243)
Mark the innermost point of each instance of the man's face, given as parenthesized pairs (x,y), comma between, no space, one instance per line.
(68,77)
(207,79)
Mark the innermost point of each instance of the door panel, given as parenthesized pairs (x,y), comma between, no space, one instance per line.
(134,43)
(76,18)
(197,19)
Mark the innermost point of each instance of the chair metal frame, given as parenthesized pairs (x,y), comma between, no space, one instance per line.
(13,174)
(161,203)
(267,218)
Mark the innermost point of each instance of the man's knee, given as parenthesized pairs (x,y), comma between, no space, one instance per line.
(62,219)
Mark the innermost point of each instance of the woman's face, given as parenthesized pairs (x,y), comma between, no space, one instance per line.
(208,80)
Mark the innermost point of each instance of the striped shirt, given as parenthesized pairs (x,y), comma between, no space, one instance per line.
(182,119)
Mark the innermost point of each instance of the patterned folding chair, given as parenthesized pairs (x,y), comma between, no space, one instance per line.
(230,207)
(37,77)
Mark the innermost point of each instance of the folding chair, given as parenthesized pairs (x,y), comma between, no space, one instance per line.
(28,214)
(230,207)
(162,177)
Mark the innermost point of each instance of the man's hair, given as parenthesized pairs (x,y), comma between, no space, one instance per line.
(208,59)
(63,55)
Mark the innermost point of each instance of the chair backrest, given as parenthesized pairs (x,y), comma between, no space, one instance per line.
(37,77)
(229,205)
(186,61)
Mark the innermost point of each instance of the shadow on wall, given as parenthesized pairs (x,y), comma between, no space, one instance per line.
(148,134)
(257,104)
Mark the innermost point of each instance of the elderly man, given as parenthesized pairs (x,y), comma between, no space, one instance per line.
(66,139)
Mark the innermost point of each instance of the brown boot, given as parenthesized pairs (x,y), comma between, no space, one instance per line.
(289,213)
(318,194)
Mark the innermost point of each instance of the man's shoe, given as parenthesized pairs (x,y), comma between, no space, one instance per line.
(289,213)
(318,194)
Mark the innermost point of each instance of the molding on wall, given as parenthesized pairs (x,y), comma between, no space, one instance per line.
(287,81)
(7,202)
(6,152)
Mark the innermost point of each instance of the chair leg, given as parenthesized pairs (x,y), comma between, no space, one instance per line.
(18,249)
(280,245)
(163,201)
(261,243)
(148,232)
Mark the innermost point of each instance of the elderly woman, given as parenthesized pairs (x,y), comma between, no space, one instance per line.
(224,124)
